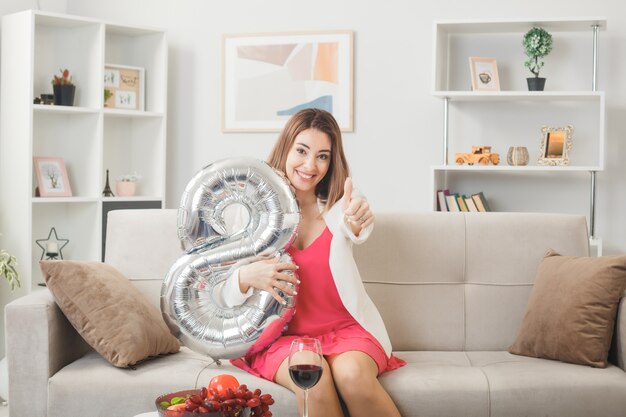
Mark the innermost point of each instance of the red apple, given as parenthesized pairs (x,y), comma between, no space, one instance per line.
(221,383)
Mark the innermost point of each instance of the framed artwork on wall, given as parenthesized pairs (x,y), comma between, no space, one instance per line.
(52,179)
(484,72)
(124,87)
(266,78)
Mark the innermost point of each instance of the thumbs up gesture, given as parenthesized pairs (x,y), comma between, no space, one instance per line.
(356,210)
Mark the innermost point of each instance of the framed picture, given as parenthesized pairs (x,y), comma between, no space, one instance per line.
(556,143)
(484,73)
(266,78)
(124,87)
(52,180)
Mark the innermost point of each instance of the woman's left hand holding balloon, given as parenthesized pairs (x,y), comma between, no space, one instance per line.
(269,275)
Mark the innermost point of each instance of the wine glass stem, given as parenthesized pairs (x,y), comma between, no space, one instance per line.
(306,403)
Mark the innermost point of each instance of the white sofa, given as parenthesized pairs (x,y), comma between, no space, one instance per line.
(451,287)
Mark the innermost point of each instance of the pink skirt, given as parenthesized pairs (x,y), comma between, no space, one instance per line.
(265,364)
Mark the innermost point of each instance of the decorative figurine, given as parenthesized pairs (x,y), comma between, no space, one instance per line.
(107,192)
(479,154)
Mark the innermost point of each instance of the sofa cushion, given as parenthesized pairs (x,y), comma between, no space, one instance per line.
(437,383)
(570,315)
(460,284)
(108,311)
(521,386)
(126,393)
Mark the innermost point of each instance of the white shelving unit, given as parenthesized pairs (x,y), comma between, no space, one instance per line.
(514,116)
(89,137)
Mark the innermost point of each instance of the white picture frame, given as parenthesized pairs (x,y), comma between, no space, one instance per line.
(484,72)
(556,144)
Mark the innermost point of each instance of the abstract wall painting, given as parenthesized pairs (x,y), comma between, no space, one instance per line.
(266,78)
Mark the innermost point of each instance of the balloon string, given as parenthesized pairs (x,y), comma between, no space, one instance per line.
(213,361)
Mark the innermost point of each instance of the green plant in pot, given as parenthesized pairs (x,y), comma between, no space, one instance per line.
(537,44)
(64,89)
(107,95)
(8,270)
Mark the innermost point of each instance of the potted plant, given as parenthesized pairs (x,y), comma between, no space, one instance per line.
(107,95)
(8,269)
(126,184)
(64,89)
(537,44)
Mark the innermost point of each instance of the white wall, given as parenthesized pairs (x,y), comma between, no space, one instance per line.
(14,6)
(398,125)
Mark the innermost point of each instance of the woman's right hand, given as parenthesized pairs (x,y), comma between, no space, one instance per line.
(268,275)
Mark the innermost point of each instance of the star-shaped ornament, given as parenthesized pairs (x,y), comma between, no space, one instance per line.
(52,246)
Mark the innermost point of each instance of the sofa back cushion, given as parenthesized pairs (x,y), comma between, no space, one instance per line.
(143,245)
(442,281)
(460,281)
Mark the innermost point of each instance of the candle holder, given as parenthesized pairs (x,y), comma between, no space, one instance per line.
(52,248)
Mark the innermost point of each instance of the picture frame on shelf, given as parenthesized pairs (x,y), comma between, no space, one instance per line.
(52,179)
(266,78)
(484,73)
(124,87)
(556,144)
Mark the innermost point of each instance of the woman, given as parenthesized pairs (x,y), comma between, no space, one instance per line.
(332,304)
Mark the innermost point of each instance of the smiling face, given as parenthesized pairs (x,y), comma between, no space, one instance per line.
(308,133)
(308,160)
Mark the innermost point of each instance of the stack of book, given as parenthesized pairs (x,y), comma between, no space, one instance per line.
(447,201)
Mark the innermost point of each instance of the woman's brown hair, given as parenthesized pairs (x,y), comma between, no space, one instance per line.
(330,189)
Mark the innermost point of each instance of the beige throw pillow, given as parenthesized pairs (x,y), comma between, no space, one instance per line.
(108,311)
(571,312)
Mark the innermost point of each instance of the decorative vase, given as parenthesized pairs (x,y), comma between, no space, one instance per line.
(64,95)
(536,83)
(125,188)
(517,156)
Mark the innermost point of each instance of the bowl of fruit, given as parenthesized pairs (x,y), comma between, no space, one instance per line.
(223,397)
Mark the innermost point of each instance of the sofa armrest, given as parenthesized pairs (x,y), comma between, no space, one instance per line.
(618,350)
(39,342)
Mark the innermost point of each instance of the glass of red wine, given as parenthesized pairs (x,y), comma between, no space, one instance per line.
(305,365)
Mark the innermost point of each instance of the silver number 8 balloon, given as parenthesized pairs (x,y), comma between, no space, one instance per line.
(269,213)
